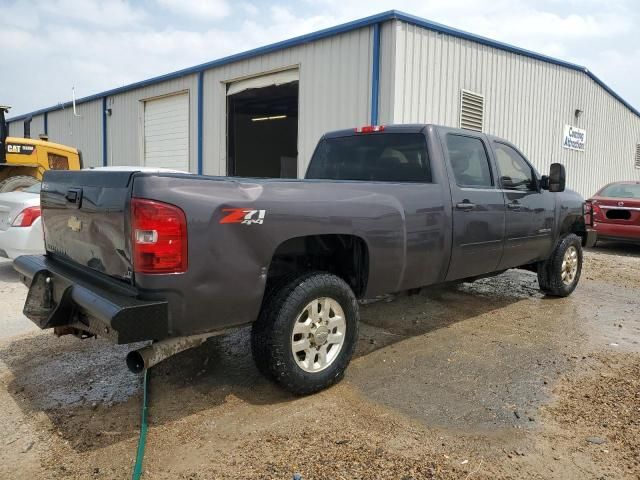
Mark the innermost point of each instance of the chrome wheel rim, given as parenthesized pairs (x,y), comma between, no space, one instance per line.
(570,265)
(318,334)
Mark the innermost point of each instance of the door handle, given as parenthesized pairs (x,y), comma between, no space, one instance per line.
(515,205)
(74,195)
(465,206)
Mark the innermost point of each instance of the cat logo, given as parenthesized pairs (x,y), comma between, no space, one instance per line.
(75,224)
(20,149)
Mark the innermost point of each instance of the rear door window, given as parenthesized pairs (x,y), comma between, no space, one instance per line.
(381,157)
(469,161)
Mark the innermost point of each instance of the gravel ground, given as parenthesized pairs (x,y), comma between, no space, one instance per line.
(483,380)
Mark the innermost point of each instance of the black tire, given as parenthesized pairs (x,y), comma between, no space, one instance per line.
(550,271)
(19,182)
(257,349)
(272,333)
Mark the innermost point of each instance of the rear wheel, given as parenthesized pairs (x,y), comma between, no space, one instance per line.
(19,182)
(560,273)
(306,333)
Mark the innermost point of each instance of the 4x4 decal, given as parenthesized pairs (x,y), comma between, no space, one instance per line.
(247,216)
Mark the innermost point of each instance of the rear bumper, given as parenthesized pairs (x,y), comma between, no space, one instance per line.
(63,296)
(614,231)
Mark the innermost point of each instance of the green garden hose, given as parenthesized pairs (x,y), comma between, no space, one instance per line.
(142,440)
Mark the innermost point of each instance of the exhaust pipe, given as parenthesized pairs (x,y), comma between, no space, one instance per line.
(147,357)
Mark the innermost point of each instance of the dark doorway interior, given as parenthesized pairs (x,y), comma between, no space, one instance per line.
(263,132)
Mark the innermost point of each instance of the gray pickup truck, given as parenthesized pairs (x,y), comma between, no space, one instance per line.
(175,258)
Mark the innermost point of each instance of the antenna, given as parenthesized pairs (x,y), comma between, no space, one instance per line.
(73,96)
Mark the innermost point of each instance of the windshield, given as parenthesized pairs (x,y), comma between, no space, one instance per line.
(387,157)
(35,188)
(622,190)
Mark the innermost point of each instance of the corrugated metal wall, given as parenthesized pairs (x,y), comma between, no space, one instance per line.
(83,132)
(125,124)
(16,129)
(335,92)
(387,67)
(527,101)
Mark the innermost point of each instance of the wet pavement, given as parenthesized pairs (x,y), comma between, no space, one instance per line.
(457,371)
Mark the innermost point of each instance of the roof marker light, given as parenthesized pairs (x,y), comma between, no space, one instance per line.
(370,129)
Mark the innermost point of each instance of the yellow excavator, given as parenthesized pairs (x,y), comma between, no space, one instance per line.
(23,161)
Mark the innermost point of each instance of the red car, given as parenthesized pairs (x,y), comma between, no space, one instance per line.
(614,212)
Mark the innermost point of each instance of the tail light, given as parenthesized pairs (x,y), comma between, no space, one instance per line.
(592,212)
(159,232)
(587,211)
(26,217)
(370,129)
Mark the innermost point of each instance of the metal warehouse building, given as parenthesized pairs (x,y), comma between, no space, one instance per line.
(260,113)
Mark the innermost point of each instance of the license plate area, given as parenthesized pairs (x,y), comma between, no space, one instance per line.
(618,214)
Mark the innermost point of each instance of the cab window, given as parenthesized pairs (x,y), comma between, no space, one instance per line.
(379,157)
(469,161)
(57,162)
(515,172)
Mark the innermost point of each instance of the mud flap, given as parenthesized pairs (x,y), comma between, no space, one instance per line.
(589,240)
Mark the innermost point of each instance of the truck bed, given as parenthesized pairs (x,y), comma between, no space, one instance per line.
(235,227)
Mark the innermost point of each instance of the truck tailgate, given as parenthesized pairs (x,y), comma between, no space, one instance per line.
(85,217)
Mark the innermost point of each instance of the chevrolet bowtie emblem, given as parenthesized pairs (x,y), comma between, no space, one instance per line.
(75,224)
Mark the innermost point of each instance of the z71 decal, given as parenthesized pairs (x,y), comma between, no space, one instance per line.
(246,216)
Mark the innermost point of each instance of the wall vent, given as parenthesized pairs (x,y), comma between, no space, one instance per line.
(471,110)
(637,163)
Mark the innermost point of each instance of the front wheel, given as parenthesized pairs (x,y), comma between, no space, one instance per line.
(306,333)
(559,274)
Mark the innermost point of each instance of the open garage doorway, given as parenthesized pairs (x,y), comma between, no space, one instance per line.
(262,126)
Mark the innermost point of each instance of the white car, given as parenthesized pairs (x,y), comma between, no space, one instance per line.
(20,223)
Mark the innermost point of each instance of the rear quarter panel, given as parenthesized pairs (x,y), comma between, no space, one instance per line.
(229,262)
(569,213)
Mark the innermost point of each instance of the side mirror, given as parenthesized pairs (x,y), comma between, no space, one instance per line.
(544,182)
(557,179)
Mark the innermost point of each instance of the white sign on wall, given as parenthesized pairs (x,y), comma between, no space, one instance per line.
(574,138)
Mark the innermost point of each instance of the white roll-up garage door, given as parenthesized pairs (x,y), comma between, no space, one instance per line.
(166,132)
